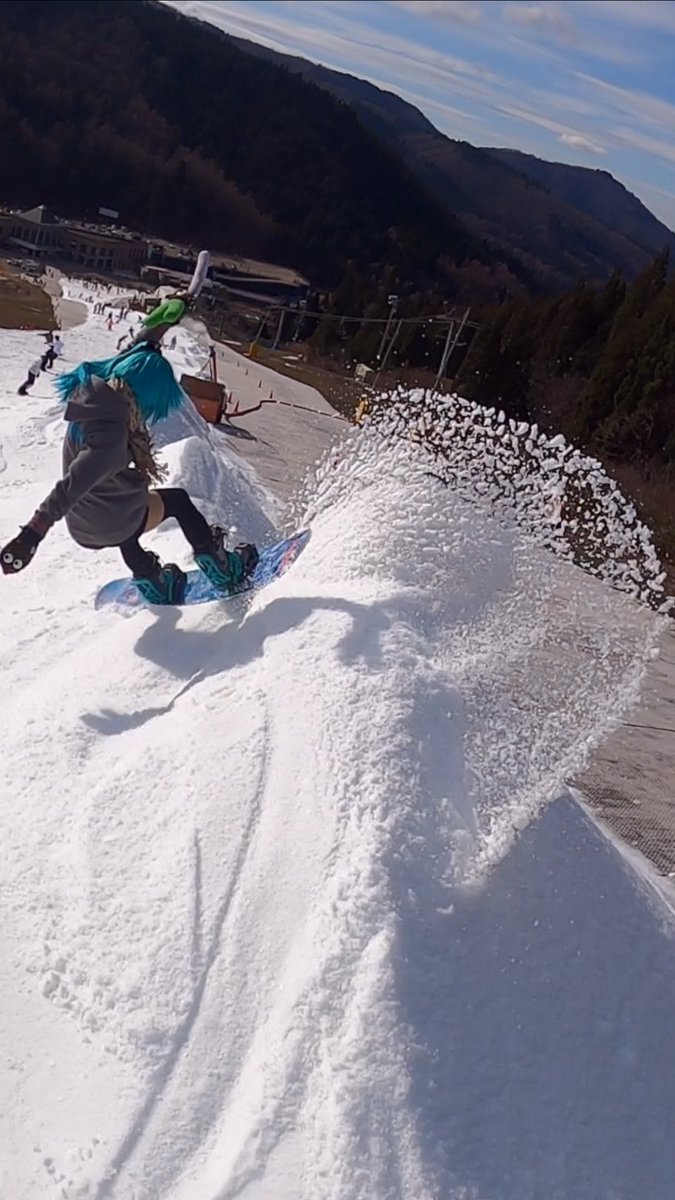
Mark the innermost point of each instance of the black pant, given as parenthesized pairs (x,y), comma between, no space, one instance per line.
(177,504)
(28,383)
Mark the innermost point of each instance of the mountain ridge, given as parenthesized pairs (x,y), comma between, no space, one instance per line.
(559,234)
(567,179)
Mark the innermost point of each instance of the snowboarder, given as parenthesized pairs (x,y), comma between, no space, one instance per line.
(33,372)
(54,350)
(106,494)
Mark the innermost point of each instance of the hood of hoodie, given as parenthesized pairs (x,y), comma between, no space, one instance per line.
(97,401)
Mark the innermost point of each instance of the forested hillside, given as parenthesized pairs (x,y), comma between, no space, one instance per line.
(597,363)
(132,106)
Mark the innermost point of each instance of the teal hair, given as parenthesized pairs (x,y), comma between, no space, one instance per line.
(149,376)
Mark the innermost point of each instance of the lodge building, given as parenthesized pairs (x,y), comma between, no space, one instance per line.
(38,233)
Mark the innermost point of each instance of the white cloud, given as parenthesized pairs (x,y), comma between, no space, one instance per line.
(466,11)
(532,116)
(640,105)
(579,106)
(549,19)
(646,122)
(648,14)
(662,148)
(578,142)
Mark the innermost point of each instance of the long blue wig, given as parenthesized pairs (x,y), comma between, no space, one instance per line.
(142,367)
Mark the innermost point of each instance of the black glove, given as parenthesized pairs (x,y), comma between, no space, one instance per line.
(17,554)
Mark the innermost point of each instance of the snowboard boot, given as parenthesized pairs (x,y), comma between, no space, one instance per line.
(162,585)
(227,570)
(249,557)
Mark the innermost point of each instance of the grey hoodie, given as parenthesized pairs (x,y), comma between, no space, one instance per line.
(103,498)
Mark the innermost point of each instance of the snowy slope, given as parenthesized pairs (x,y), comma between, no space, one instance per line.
(290,910)
(278,440)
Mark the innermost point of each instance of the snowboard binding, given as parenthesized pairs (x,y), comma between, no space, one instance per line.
(163,584)
(225,569)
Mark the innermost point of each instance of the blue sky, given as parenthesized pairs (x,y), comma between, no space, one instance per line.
(581,81)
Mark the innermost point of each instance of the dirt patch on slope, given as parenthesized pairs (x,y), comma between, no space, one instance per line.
(23,305)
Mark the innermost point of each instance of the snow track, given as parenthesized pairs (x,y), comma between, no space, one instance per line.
(290,908)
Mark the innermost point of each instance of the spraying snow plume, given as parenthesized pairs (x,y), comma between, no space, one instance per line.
(564,499)
(541,657)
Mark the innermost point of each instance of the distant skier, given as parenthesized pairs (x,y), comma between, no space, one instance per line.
(54,350)
(106,494)
(33,372)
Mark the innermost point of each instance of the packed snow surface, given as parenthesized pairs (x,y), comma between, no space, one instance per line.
(295,905)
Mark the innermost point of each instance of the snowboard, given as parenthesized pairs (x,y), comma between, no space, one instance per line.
(273,561)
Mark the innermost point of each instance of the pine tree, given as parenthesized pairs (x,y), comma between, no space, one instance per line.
(607,387)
